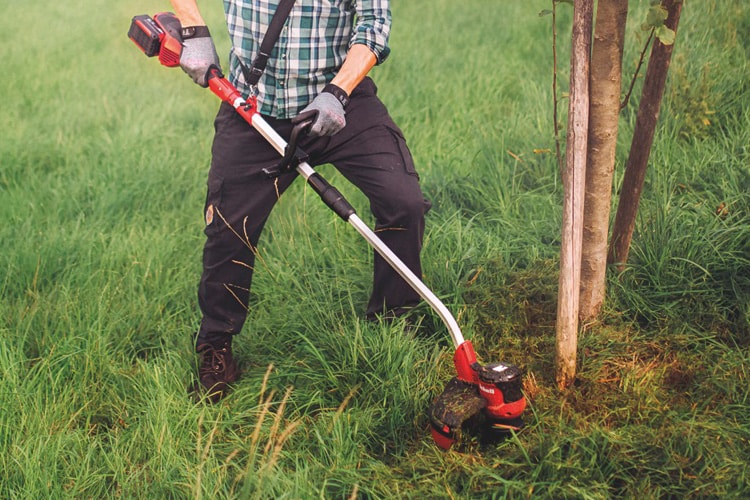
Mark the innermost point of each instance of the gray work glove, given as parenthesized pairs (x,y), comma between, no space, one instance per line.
(198,54)
(330,107)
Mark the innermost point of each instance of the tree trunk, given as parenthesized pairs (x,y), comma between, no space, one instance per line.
(574,178)
(643,138)
(604,113)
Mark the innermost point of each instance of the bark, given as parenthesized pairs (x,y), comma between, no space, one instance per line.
(604,113)
(643,138)
(573,182)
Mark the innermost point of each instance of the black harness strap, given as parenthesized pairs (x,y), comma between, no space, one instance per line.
(252,75)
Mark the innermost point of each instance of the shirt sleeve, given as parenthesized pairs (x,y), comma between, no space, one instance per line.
(373,27)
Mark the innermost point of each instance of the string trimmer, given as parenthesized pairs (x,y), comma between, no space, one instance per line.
(491,392)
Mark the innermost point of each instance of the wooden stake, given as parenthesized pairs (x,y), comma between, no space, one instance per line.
(574,179)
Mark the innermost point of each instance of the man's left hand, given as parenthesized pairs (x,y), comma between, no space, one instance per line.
(330,119)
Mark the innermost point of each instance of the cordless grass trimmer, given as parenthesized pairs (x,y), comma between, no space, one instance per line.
(491,392)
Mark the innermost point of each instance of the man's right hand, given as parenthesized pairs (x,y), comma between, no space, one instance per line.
(198,54)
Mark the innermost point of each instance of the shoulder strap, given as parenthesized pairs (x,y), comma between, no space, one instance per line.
(252,75)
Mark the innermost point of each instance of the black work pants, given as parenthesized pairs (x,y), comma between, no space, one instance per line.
(370,152)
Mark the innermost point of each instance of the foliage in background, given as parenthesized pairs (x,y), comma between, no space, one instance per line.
(102,170)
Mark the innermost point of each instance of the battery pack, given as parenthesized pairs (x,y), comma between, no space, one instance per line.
(146,34)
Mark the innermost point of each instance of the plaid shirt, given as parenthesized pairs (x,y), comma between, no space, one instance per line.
(310,49)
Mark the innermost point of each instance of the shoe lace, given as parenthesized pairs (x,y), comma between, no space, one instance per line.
(213,361)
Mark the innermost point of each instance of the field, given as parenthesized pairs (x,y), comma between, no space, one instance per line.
(103,158)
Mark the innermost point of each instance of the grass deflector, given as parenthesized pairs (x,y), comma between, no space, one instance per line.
(490,394)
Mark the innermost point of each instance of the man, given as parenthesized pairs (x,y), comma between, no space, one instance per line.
(320,62)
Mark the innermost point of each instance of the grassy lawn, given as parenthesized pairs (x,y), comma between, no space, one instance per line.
(103,158)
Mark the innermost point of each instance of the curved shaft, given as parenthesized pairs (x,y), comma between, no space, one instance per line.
(306,171)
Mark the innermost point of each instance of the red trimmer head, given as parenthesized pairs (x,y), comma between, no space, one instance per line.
(490,395)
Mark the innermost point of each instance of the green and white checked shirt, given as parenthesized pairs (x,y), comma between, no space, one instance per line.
(310,50)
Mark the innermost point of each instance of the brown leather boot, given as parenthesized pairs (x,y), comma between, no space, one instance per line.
(217,370)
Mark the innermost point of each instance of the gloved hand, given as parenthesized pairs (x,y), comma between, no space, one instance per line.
(198,53)
(330,107)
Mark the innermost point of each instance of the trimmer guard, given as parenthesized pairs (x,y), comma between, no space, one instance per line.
(459,402)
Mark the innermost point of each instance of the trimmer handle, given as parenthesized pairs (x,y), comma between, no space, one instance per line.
(221,86)
(214,72)
(302,124)
(293,155)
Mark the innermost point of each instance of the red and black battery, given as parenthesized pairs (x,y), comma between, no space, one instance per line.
(160,35)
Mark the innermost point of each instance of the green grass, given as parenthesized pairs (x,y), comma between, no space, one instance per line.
(103,158)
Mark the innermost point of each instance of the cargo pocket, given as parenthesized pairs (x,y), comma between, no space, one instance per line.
(406,159)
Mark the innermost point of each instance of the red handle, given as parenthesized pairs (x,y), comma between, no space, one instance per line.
(229,94)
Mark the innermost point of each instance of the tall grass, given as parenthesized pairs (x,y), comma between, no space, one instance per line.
(103,159)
